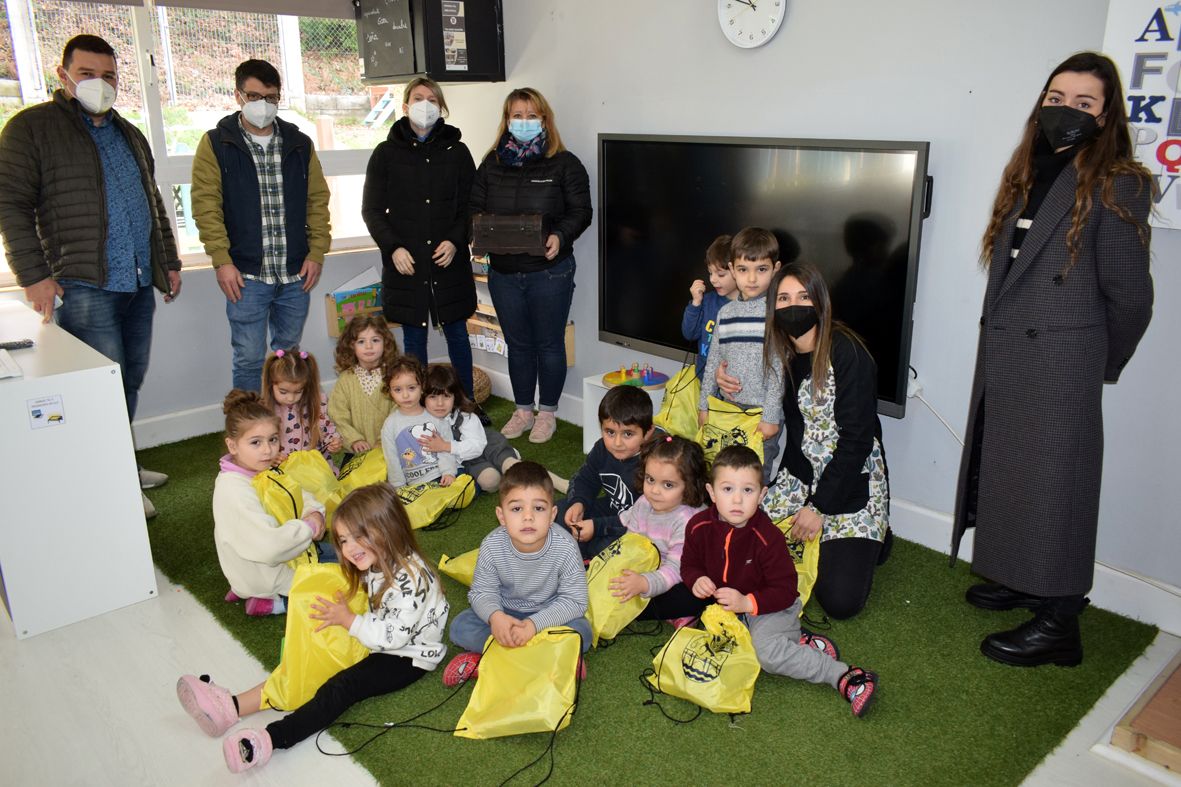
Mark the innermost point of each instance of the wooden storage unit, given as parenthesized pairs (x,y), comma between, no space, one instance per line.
(1152,727)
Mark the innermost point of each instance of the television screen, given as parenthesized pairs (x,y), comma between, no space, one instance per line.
(852,208)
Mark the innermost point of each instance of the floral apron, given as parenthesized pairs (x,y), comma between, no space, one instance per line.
(788,493)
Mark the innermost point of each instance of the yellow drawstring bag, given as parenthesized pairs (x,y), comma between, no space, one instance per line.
(282,498)
(461,568)
(533,688)
(606,615)
(728,424)
(313,473)
(362,470)
(311,657)
(678,410)
(428,505)
(715,668)
(806,556)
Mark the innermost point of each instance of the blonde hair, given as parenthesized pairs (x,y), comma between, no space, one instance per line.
(553,140)
(374,515)
(430,84)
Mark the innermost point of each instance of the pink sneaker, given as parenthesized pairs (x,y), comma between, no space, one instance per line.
(462,668)
(246,749)
(581,668)
(858,686)
(821,643)
(543,427)
(210,705)
(232,597)
(516,426)
(680,623)
(257,607)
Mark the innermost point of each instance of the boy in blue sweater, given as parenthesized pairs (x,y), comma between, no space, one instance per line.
(625,417)
(697,324)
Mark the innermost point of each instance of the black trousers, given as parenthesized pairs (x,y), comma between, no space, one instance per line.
(845,575)
(676,602)
(376,674)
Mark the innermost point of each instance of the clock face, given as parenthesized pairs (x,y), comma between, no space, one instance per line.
(750,23)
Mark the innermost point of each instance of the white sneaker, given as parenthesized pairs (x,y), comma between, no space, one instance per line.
(518,424)
(150,479)
(149,509)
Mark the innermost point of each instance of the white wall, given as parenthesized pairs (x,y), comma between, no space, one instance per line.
(960,76)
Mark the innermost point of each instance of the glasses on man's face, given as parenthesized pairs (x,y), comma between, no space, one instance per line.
(270,99)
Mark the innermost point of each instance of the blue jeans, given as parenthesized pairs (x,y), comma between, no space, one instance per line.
(533,309)
(116,324)
(283,306)
(470,633)
(458,349)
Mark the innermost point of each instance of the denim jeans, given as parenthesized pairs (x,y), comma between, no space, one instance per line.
(283,306)
(533,309)
(470,633)
(116,324)
(458,349)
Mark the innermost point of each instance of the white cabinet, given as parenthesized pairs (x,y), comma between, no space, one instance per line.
(73,540)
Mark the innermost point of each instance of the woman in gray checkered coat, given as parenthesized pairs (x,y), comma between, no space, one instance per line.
(1068,297)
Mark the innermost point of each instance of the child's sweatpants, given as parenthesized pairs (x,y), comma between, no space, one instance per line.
(470,633)
(776,639)
(372,676)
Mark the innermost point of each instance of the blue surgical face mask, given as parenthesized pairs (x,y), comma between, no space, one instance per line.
(524,130)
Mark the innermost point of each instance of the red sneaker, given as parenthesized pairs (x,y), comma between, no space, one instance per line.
(858,686)
(462,668)
(821,643)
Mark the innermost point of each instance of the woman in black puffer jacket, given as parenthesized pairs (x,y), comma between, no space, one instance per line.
(416,208)
(531,172)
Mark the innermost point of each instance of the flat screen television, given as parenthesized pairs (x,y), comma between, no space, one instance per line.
(853,208)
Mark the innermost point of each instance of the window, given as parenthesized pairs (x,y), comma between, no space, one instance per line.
(195,51)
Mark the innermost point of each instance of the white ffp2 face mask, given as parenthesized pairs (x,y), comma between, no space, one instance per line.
(259,114)
(424,114)
(95,95)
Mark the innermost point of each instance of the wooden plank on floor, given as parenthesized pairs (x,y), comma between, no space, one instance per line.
(1152,726)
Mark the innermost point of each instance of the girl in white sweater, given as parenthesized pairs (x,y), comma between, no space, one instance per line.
(252,546)
(403,631)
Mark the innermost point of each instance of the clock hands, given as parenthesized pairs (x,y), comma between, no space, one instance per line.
(749,3)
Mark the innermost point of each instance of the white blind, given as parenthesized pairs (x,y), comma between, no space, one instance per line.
(336,9)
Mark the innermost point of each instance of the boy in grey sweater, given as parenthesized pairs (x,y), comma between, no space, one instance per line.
(739,337)
(529,576)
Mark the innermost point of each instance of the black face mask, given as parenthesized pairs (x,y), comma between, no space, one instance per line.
(795,321)
(1066,126)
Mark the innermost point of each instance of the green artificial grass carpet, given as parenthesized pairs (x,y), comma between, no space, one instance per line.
(944,713)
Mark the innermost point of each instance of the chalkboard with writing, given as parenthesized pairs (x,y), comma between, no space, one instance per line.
(447,40)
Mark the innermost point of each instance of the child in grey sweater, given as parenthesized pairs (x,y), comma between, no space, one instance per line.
(739,337)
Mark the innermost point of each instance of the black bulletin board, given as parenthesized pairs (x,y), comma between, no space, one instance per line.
(447,40)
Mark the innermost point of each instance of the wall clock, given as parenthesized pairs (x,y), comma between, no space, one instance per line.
(750,23)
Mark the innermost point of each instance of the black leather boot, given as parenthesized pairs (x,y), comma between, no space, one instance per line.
(1052,637)
(990,595)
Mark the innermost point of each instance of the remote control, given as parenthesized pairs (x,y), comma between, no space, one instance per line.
(18,344)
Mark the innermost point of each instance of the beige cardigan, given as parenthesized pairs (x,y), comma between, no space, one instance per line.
(357,416)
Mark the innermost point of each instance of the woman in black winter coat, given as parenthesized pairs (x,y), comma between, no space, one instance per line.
(531,172)
(416,207)
(1069,295)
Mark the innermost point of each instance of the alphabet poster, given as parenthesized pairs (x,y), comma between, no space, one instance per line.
(1144,40)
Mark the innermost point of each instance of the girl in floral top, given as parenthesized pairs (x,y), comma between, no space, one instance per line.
(358,405)
(291,386)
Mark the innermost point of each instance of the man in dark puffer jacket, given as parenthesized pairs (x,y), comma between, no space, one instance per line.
(83,220)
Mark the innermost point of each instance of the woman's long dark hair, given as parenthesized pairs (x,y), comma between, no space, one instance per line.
(1099,160)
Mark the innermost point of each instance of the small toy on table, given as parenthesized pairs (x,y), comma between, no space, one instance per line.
(642,377)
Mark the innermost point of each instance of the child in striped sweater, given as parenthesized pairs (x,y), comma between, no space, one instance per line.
(672,474)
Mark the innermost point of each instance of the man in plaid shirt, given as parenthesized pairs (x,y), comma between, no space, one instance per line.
(261,205)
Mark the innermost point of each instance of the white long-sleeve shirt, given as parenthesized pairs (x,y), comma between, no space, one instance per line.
(409,621)
(252,546)
(468,438)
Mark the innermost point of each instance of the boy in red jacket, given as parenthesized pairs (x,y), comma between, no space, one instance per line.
(735,554)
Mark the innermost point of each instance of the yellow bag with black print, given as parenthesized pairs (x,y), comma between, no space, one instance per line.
(678,409)
(282,498)
(806,556)
(311,657)
(606,614)
(313,473)
(362,470)
(715,668)
(533,688)
(728,424)
(461,568)
(434,507)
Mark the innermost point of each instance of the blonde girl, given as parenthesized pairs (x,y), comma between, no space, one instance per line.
(403,630)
